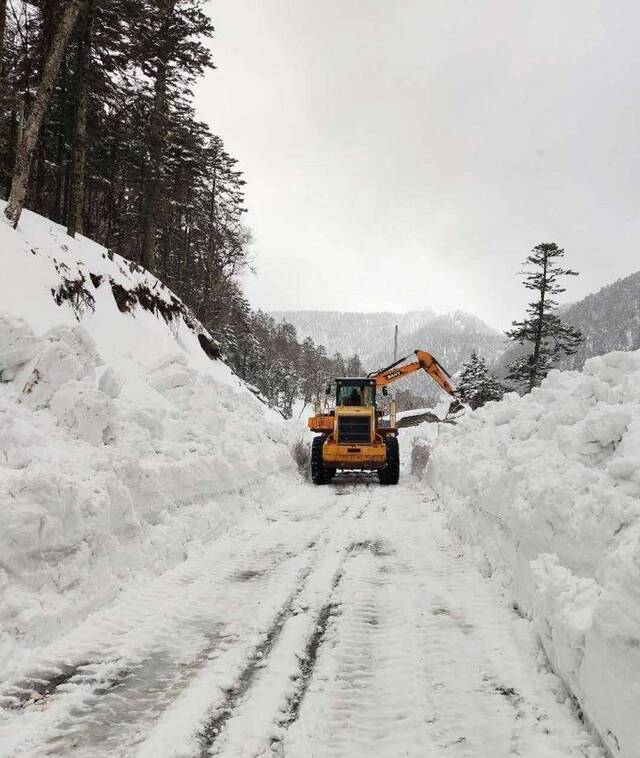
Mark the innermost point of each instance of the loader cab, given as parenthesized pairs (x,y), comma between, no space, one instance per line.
(355,392)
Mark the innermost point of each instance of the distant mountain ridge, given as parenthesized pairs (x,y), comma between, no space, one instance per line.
(347,332)
(451,337)
(609,320)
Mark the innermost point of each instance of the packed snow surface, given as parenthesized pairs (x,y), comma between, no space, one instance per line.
(549,486)
(345,621)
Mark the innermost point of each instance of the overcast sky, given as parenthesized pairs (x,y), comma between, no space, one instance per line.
(409,153)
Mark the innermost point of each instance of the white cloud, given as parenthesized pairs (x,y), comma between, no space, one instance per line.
(398,150)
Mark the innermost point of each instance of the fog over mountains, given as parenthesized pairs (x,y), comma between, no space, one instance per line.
(609,320)
(370,335)
(450,337)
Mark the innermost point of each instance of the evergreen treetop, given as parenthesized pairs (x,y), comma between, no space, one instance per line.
(476,385)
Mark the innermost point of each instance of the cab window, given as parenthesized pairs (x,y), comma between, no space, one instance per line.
(358,395)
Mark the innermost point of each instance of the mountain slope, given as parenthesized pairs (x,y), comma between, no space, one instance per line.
(367,334)
(451,338)
(609,319)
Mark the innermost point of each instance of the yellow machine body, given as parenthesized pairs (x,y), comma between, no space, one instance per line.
(365,454)
(353,436)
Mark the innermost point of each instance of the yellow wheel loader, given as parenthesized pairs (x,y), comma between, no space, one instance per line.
(354,436)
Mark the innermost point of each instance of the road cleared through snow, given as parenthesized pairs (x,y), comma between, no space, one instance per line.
(351,622)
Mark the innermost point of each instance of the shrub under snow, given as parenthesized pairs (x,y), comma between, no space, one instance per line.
(549,486)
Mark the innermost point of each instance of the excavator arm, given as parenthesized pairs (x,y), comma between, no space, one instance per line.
(424,361)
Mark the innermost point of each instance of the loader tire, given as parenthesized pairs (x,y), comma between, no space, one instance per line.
(391,472)
(319,473)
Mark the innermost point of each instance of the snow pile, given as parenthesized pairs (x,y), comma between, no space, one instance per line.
(124,443)
(549,486)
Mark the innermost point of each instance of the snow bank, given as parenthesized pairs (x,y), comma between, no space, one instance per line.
(124,444)
(549,486)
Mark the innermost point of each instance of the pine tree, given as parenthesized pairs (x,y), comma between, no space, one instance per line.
(313,370)
(171,56)
(476,385)
(354,366)
(81,108)
(543,329)
(338,367)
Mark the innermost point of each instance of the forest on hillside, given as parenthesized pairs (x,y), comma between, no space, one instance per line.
(99,133)
(97,119)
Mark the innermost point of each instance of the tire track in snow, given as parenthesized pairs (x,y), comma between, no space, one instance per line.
(364,690)
(138,670)
(40,684)
(225,702)
(216,724)
(326,615)
(282,675)
(260,722)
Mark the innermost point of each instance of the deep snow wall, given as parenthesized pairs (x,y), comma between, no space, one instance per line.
(548,485)
(124,446)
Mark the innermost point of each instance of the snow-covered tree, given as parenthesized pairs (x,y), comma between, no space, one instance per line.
(543,330)
(354,366)
(338,367)
(476,385)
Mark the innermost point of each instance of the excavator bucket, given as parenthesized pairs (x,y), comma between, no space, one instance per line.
(455,406)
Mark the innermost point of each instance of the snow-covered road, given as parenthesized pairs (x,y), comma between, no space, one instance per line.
(350,623)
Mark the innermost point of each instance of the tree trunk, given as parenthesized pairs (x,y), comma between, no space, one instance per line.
(38,195)
(79,157)
(3,23)
(56,210)
(111,201)
(33,126)
(156,144)
(205,306)
(14,130)
(157,133)
(533,371)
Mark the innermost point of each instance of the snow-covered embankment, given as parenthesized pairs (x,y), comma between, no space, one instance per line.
(124,443)
(548,486)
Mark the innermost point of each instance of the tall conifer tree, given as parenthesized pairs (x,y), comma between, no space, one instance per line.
(542,330)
